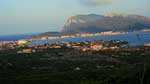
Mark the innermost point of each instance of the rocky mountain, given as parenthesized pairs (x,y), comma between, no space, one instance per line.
(110,22)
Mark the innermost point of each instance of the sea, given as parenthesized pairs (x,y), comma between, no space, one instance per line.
(133,38)
(16,37)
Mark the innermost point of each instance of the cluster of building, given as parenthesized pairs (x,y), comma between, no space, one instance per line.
(22,47)
(82,45)
(86,45)
(147,44)
(8,45)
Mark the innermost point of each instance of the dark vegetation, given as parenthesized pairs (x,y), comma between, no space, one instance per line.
(68,66)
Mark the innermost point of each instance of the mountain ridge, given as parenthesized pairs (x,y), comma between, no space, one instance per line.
(92,23)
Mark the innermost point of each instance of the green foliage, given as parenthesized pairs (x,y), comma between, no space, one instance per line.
(100,67)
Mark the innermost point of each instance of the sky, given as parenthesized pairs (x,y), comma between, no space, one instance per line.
(32,16)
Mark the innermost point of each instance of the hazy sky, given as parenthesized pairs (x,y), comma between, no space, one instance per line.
(26,16)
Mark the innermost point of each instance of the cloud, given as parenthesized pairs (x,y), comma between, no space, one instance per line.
(95,2)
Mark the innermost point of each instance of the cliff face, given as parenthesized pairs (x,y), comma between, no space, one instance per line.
(110,22)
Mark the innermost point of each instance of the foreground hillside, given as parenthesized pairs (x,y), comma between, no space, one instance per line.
(64,66)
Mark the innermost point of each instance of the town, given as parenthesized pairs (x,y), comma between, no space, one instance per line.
(87,45)
(21,46)
(4,45)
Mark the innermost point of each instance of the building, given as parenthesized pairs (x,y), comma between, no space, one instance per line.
(22,42)
(96,47)
(26,51)
(148,44)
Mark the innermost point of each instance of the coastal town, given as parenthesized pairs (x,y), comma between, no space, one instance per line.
(22,46)
(16,43)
